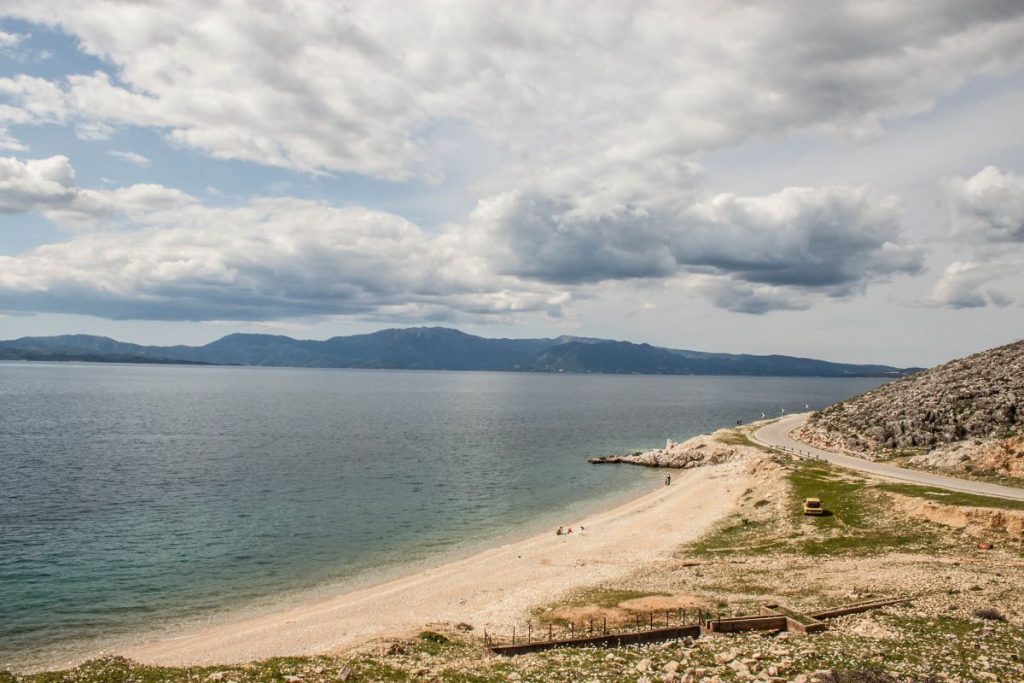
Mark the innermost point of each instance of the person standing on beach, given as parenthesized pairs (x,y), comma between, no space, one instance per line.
(668,479)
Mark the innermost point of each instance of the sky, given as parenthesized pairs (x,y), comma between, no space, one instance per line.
(839,180)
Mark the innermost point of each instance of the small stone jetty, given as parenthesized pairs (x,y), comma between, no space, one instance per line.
(700,451)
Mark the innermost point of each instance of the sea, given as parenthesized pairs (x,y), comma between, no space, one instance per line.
(140,499)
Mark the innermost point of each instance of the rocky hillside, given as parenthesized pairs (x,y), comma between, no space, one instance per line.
(980,397)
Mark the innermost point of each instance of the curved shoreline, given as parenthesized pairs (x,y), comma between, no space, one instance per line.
(491,589)
(72,653)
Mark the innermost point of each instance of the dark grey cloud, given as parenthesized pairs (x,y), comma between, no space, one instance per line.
(831,241)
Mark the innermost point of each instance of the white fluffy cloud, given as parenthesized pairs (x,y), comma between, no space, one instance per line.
(987,218)
(48,186)
(988,206)
(593,117)
(36,101)
(324,86)
(273,258)
(969,284)
(160,251)
(36,184)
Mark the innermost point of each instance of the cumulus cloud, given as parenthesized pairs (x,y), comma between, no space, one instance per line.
(969,284)
(359,87)
(987,218)
(155,252)
(270,259)
(988,206)
(745,297)
(767,252)
(593,119)
(38,101)
(519,252)
(36,184)
(48,186)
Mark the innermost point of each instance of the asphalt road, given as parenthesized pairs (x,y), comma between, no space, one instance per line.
(777,435)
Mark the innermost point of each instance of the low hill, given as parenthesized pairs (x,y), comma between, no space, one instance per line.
(978,398)
(439,348)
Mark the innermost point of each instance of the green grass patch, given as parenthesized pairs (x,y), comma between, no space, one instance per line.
(842,496)
(953,497)
(739,437)
(736,535)
(860,544)
(121,670)
(859,520)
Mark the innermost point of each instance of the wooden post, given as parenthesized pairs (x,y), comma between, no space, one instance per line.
(604,629)
(513,635)
(550,631)
(591,625)
(652,620)
(529,632)
(572,629)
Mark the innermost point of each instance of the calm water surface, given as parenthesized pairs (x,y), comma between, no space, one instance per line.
(135,497)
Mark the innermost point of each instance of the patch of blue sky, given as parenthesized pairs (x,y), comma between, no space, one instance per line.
(48,53)
(23,231)
(45,52)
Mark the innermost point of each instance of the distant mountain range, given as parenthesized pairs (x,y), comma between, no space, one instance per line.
(437,348)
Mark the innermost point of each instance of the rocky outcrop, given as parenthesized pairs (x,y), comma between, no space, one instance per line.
(995,457)
(979,397)
(706,449)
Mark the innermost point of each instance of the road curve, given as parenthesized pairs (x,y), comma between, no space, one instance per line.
(776,435)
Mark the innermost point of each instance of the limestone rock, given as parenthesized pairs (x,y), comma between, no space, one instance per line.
(700,451)
(980,397)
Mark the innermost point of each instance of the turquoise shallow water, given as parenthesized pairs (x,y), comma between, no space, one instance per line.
(140,496)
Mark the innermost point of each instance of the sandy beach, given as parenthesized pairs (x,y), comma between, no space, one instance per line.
(491,590)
